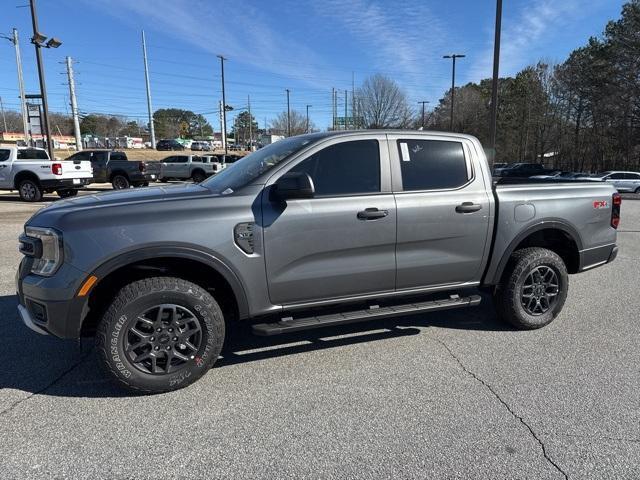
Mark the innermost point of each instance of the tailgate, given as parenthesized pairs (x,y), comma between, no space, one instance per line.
(76,169)
(152,167)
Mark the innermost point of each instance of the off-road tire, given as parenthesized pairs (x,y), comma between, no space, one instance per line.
(120,182)
(139,296)
(29,190)
(508,297)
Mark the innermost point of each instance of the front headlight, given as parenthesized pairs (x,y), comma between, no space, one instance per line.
(51,247)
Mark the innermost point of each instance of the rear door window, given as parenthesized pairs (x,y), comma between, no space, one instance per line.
(432,165)
(32,154)
(118,156)
(4,155)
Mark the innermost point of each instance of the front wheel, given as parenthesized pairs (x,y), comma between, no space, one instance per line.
(533,290)
(160,334)
(119,182)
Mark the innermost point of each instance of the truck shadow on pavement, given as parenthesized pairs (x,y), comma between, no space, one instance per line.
(38,364)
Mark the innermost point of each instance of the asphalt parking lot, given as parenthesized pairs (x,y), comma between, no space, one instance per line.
(452,394)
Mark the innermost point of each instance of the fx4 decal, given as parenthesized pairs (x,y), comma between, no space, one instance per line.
(600,204)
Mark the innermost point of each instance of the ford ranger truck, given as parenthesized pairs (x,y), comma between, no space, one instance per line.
(32,173)
(311,231)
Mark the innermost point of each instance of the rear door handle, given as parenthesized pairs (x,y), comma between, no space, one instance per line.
(372,214)
(468,207)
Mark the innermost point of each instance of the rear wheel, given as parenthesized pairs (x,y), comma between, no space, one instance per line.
(534,288)
(160,334)
(120,182)
(30,191)
(637,190)
(67,193)
(198,177)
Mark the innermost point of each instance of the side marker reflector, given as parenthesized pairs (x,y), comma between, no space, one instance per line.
(87,285)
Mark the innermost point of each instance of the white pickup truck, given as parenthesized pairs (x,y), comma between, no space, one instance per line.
(32,173)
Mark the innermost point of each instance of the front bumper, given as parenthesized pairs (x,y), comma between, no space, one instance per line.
(48,305)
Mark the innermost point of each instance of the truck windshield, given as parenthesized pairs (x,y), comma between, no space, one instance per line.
(247,169)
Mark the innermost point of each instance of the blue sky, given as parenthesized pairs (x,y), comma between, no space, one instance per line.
(308,47)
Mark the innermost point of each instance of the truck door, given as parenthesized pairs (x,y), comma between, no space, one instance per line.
(181,166)
(5,168)
(99,165)
(341,242)
(443,211)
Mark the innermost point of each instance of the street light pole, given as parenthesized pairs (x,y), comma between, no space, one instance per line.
(43,88)
(224,108)
(307,129)
(23,107)
(152,130)
(423,103)
(453,83)
(493,122)
(288,115)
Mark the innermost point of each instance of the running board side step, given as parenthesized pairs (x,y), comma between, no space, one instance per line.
(289,324)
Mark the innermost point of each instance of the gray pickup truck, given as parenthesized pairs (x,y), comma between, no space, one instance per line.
(311,231)
(115,168)
(185,167)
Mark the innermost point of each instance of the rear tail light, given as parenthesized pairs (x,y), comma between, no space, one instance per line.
(56,169)
(616,201)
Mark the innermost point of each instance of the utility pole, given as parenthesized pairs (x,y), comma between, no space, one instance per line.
(288,115)
(346,102)
(224,108)
(4,119)
(453,83)
(37,40)
(307,129)
(152,130)
(423,103)
(250,124)
(493,121)
(353,100)
(74,104)
(333,108)
(23,107)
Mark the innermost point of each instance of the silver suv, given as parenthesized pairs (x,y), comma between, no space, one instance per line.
(622,181)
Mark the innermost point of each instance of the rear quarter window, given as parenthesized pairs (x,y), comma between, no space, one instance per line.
(32,154)
(4,155)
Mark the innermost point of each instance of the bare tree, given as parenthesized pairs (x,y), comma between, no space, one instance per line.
(383,104)
(298,123)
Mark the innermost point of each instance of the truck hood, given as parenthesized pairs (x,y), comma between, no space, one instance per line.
(118,198)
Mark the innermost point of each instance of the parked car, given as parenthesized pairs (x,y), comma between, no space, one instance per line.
(560,175)
(312,231)
(200,146)
(215,162)
(169,145)
(622,181)
(32,173)
(521,170)
(114,167)
(184,167)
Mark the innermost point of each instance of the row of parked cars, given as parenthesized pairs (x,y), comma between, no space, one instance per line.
(621,180)
(32,173)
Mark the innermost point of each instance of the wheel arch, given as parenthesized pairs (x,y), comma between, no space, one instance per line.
(25,175)
(191,264)
(118,172)
(555,235)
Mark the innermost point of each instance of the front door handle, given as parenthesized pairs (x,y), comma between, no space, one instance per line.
(372,214)
(468,207)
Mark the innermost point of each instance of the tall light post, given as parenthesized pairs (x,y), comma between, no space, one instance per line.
(493,121)
(224,108)
(423,104)
(453,82)
(288,115)
(152,130)
(23,106)
(307,129)
(38,41)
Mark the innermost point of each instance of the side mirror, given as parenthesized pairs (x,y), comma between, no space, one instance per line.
(293,185)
